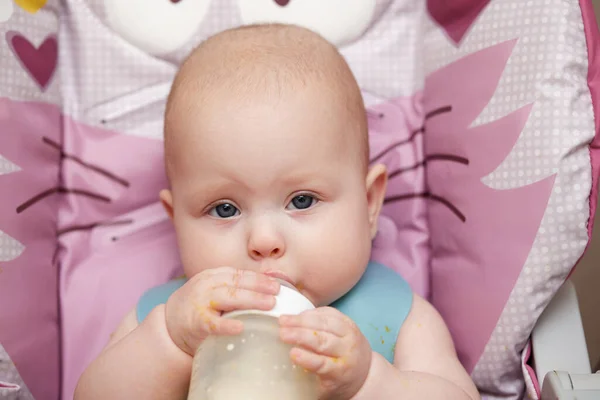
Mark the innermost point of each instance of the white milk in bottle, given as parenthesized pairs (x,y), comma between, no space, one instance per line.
(256,364)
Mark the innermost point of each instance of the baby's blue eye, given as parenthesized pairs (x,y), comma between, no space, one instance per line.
(302,202)
(225,210)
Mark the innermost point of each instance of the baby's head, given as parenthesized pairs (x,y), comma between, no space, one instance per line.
(267,154)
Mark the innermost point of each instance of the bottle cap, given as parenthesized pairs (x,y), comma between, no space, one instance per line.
(289,301)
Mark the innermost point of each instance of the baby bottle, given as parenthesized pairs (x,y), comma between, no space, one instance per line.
(256,364)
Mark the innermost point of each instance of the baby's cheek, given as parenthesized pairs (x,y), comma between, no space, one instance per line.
(352,236)
(341,256)
(201,248)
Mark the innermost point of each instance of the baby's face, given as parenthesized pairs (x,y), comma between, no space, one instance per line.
(275,186)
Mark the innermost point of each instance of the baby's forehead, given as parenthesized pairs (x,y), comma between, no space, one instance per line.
(272,64)
(286,114)
(269,126)
(290,131)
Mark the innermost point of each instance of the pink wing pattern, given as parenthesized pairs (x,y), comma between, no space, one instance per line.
(480,237)
(28,316)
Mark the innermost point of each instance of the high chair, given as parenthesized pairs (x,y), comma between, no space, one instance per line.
(484,113)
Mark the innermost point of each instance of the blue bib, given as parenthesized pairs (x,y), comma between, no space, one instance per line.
(378,304)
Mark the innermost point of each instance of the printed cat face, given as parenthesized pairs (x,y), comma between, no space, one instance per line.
(339,21)
(163,26)
(156,26)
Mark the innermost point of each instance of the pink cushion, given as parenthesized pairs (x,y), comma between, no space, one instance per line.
(482,118)
(29,313)
(522,116)
(30,192)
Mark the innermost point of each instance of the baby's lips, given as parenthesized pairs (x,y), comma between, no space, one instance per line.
(281,277)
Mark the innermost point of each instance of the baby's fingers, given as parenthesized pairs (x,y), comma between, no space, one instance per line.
(217,325)
(320,342)
(224,300)
(318,364)
(319,319)
(192,328)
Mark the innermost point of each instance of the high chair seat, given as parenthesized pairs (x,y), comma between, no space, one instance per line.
(483,111)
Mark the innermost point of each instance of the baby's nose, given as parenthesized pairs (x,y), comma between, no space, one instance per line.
(265,244)
(260,254)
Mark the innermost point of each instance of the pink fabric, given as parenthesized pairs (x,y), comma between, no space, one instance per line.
(471,224)
(130,248)
(402,242)
(456,16)
(592,35)
(102,278)
(28,284)
(530,370)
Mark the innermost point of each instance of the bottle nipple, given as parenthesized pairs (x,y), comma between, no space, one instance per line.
(285,283)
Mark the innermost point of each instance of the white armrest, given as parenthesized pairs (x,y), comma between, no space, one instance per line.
(560,385)
(558,341)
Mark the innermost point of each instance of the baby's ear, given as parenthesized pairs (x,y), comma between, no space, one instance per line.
(166,198)
(376,187)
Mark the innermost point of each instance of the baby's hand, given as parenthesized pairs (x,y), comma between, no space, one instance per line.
(194,311)
(330,345)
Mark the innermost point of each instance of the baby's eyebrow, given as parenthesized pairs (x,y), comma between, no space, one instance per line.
(321,184)
(205,189)
(203,193)
(297,180)
(309,175)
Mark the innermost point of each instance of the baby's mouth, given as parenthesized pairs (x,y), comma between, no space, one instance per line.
(282,278)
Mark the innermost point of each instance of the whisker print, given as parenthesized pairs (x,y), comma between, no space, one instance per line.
(397,144)
(85,164)
(428,159)
(438,111)
(91,226)
(429,115)
(430,196)
(60,190)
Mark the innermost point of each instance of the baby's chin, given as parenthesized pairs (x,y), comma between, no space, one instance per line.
(321,299)
(324,292)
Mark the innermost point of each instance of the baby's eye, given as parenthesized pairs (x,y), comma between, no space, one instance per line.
(302,202)
(225,210)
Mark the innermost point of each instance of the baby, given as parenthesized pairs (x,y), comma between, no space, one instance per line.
(267,155)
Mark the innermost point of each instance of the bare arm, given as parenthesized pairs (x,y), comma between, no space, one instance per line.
(153,361)
(140,362)
(425,363)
